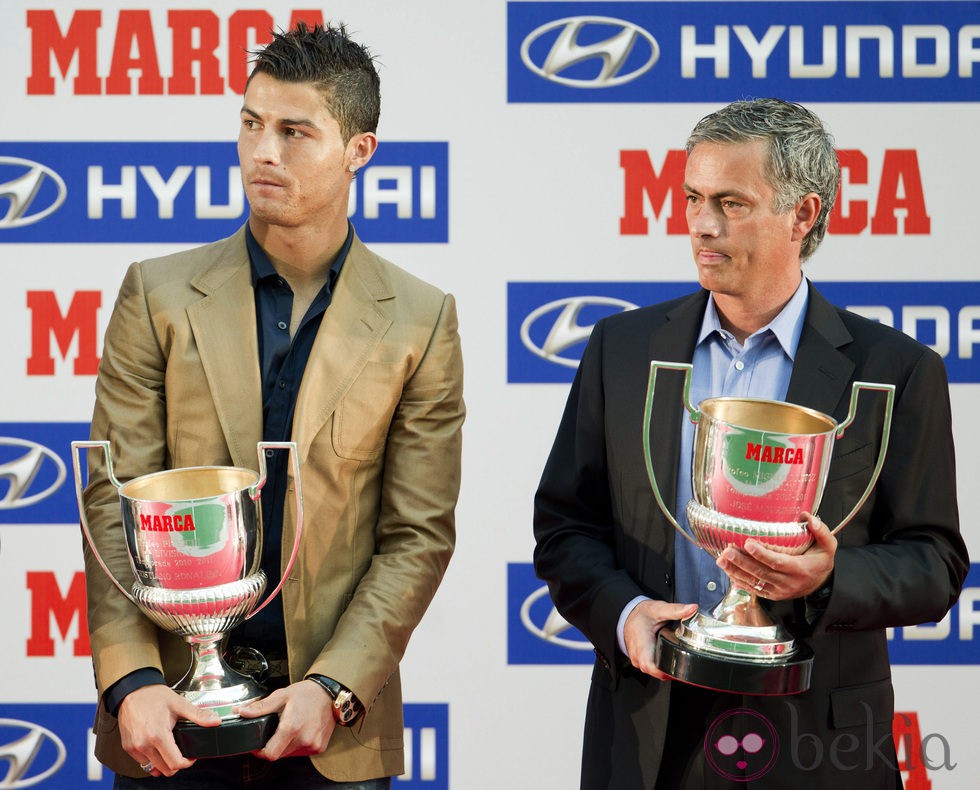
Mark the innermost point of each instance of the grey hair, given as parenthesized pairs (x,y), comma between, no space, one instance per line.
(802,157)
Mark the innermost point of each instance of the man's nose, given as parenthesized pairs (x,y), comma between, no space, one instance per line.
(267,148)
(705,221)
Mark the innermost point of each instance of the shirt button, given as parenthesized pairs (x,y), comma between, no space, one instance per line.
(281,324)
(712,586)
(739,365)
(282,384)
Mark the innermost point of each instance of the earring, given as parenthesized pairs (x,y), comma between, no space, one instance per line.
(351,168)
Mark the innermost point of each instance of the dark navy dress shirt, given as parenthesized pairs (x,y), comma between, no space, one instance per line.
(283,361)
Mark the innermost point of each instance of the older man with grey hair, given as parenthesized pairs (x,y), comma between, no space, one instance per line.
(760,181)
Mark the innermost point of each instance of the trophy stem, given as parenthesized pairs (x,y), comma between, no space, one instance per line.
(738,627)
(210,683)
(737,648)
(741,607)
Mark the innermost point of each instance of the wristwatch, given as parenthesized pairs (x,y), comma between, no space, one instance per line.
(346,707)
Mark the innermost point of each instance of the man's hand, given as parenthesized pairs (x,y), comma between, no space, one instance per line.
(782,576)
(305,720)
(146,721)
(641,629)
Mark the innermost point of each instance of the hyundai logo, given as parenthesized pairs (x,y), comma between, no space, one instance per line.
(25,754)
(21,472)
(553,627)
(612,52)
(22,192)
(566,331)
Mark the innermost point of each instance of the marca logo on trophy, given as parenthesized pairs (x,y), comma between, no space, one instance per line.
(757,466)
(194,541)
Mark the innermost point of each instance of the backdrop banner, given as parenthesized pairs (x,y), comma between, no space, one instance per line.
(531,162)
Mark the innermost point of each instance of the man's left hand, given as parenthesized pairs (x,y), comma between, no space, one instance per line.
(777,576)
(306,720)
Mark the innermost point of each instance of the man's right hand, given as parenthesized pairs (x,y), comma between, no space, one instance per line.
(146,721)
(641,629)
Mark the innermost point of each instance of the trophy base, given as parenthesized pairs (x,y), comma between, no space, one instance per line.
(790,675)
(235,736)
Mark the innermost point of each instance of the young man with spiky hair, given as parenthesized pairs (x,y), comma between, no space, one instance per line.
(291,329)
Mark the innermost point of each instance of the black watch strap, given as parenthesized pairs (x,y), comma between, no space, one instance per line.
(347,708)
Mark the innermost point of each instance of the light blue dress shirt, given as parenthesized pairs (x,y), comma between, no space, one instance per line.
(759,368)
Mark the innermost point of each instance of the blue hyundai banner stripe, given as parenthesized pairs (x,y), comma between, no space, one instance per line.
(722,51)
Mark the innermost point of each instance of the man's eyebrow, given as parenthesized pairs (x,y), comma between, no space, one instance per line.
(722,193)
(298,122)
(282,122)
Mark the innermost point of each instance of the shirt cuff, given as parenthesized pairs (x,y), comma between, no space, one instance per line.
(621,625)
(116,693)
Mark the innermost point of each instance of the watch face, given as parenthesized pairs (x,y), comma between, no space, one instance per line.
(346,707)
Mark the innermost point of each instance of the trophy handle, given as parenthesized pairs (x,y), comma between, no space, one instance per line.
(694,414)
(298,496)
(76,464)
(886,429)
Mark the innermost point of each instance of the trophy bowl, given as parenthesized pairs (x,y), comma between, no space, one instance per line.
(757,466)
(194,540)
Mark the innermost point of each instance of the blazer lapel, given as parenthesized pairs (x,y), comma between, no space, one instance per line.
(821,373)
(223,322)
(352,327)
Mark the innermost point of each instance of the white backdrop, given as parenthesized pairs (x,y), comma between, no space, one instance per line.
(522,206)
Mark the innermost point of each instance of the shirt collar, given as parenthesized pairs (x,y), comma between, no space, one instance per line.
(262,267)
(786,327)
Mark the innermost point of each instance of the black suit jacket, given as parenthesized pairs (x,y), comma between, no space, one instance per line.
(601,539)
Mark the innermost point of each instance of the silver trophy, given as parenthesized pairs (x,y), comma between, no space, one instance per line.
(194,539)
(757,466)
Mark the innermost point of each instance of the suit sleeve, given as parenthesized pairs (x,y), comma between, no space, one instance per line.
(574,529)
(913,562)
(130,414)
(415,533)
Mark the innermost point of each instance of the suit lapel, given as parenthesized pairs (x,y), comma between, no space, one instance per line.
(351,329)
(821,373)
(223,323)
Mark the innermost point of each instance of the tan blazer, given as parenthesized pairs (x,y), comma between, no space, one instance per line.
(377,424)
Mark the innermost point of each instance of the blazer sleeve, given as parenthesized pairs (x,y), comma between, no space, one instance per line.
(414,537)
(130,414)
(902,561)
(574,525)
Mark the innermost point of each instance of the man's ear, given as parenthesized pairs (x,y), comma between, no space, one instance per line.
(360,149)
(807,210)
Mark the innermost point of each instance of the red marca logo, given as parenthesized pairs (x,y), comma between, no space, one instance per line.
(50,606)
(176,523)
(773,455)
(910,747)
(208,53)
(79,322)
(899,194)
